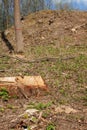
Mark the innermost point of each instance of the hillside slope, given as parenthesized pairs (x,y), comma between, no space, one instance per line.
(56,49)
(48,27)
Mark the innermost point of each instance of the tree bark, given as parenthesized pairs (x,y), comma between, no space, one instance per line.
(18,28)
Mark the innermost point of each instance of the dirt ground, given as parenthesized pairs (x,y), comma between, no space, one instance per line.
(56,49)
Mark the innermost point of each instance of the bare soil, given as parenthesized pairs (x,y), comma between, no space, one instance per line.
(60,38)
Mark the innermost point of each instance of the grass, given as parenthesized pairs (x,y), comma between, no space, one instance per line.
(50,127)
(63,76)
(84,97)
(75,117)
(40,105)
(46,114)
(66,79)
(10,106)
(2,109)
(4,94)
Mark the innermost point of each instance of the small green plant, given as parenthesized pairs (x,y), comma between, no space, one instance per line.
(4,94)
(9,106)
(63,92)
(63,101)
(34,119)
(85,98)
(50,127)
(2,109)
(45,114)
(25,116)
(28,128)
(40,106)
(15,96)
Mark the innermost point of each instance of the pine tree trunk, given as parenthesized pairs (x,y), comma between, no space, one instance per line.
(18,29)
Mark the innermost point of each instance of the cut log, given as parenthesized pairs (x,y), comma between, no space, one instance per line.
(26,84)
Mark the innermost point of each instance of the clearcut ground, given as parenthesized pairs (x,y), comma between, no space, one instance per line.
(48,35)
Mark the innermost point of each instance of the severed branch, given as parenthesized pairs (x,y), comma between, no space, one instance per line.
(39,59)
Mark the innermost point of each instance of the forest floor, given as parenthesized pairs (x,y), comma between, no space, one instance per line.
(59,37)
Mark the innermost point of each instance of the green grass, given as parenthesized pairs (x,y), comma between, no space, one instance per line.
(46,114)
(84,97)
(2,109)
(50,127)
(42,51)
(40,105)
(10,106)
(4,95)
(64,75)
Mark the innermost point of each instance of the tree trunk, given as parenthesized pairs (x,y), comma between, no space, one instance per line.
(18,29)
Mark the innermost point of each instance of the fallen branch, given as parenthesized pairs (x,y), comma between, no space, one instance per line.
(39,59)
(44,59)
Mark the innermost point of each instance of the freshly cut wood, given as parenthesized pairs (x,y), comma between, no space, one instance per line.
(7,79)
(30,80)
(26,80)
(24,84)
